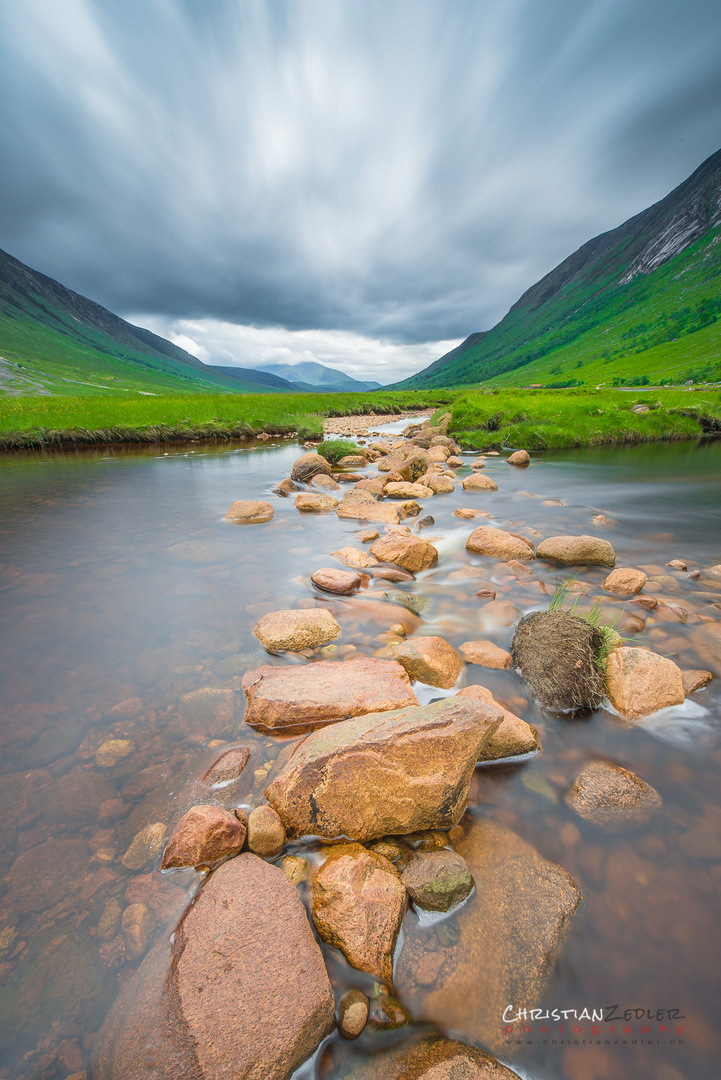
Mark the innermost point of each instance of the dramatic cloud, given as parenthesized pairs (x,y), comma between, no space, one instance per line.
(400,170)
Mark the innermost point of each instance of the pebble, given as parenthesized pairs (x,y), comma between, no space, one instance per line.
(353,1014)
(266,834)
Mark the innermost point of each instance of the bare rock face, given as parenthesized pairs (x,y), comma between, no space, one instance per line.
(385,774)
(577,551)
(640,682)
(243,992)
(511,931)
(625,581)
(478,482)
(429,660)
(202,836)
(431,1057)
(437,880)
(358,906)
(486,654)
(309,465)
(266,834)
(249,512)
(355,557)
(294,630)
(408,552)
(292,698)
(340,582)
(311,502)
(612,797)
(520,457)
(499,544)
(513,737)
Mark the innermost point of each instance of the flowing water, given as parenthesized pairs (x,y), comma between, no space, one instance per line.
(122,590)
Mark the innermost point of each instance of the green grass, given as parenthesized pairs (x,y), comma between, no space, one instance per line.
(54,421)
(334,449)
(555,419)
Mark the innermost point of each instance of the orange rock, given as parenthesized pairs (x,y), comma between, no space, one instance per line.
(520,457)
(429,660)
(486,654)
(499,544)
(355,557)
(695,680)
(512,738)
(369,511)
(405,490)
(479,483)
(202,836)
(577,551)
(408,552)
(266,834)
(248,512)
(295,630)
(341,582)
(612,797)
(639,682)
(309,465)
(227,767)
(466,512)
(625,581)
(308,502)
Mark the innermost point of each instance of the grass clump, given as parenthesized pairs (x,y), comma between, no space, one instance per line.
(335,449)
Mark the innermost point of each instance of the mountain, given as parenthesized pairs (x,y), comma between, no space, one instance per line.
(318,377)
(55,341)
(272,383)
(638,302)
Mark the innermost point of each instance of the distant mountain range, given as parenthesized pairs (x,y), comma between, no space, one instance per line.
(639,302)
(318,377)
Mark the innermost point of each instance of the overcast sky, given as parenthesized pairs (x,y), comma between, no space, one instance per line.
(362,182)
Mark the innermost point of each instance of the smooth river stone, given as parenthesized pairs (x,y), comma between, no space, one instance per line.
(640,682)
(296,629)
(202,836)
(499,544)
(408,552)
(242,993)
(476,482)
(430,1057)
(577,551)
(509,936)
(385,774)
(249,512)
(430,660)
(281,698)
(340,582)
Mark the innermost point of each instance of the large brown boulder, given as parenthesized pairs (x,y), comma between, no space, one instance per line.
(281,698)
(312,502)
(430,1057)
(612,797)
(429,660)
(242,990)
(577,551)
(478,482)
(294,630)
(640,682)
(499,544)
(383,513)
(509,937)
(625,581)
(309,465)
(519,457)
(385,774)
(358,906)
(513,737)
(408,552)
(202,836)
(248,512)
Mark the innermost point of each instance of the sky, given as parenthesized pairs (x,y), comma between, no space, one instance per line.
(358,182)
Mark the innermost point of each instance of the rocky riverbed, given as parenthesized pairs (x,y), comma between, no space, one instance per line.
(313,845)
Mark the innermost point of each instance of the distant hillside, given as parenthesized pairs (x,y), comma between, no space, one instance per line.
(638,302)
(318,377)
(54,341)
(251,375)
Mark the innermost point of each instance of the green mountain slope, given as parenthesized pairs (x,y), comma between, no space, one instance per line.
(54,341)
(640,301)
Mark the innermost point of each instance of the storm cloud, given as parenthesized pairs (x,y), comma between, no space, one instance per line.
(379,169)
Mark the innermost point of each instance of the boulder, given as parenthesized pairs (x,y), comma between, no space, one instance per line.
(405,490)
(414,466)
(499,544)
(640,682)
(577,551)
(285,487)
(249,512)
(506,940)
(340,582)
(322,482)
(558,655)
(437,880)
(625,581)
(352,1014)
(292,698)
(373,485)
(485,654)
(355,557)
(358,907)
(695,680)
(266,834)
(513,738)
(206,712)
(476,482)
(439,452)
(309,465)
(612,797)
(429,1057)
(429,660)
(380,512)
(227,768)
(294,630)
(353,461)
(439,485)
(385,773)
(409,552)
(310,502)
(242,991)
(367,536)
(520,457)
(203,835)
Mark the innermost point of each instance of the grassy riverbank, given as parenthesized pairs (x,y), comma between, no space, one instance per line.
(556,419)
(27,422)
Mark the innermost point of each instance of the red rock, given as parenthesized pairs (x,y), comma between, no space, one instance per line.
(341,582)
(203,835)
(408,552)
(285,487)
(248,512)
(625,581)
(639,682)
(513,737)
(429,660)
(486,654)
(324,692)
(227,767)
(695,680)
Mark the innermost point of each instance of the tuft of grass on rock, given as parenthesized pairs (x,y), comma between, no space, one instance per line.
(335,449)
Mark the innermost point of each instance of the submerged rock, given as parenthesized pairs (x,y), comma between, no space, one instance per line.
(506,941)
(358,906)
(385,774)
(437,880)
(695,680)
(429,660)
(640,682)
(355,557)
(227,768)
(206,712)
(612,797)
(137,923)
(430,1057)
(112,751)
(409,552)
(324,692)
(145,846)
(577,551)
(249,512)
(557,653)
(294,630)
(499,544)
(202,836)
(242,993)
